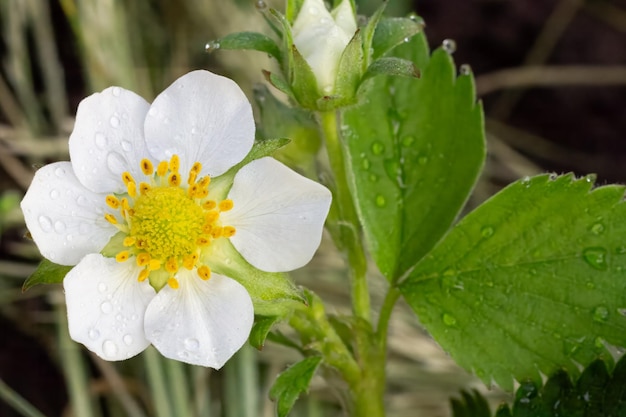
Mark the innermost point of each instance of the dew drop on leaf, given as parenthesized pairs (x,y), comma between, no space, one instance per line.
(260,5)
(380,200)
(408,141)
(487,231)
(449,45)
(365,164)
(373,177)
(596,258)
(422,160)
(601,314)
(597,229)
(449,320)
(378,148)
(465,69)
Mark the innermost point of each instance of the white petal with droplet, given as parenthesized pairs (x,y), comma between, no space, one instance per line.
(108,319)
(109,130)
(201,117)
(278,215)
(202,322)
(65,219)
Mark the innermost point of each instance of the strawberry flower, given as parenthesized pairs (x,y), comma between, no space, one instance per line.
(145,214)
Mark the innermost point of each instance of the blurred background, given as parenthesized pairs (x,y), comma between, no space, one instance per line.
(552,78)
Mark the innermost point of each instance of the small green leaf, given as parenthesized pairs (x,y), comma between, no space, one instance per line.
(392,31)
(261,328)
(46,273)
(349,72)
(470,405)
(392,66)
(293,382)
(531,281)
(369,31)
(251,40)
(415,148)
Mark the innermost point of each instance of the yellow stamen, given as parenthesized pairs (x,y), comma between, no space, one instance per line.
(129,241)
(132,189)
(112,201)
(173,283)
(174,163)
(209,205)
(143,275)
(190,260)
(110,218)
(162,169)
(122,256)
(154,264)
(216,232)
(171,265)
(228,231)
(174,179)
(143,259)
(126,177)
(147,167)
(226,205)
(203,241)
(143,188)
(204,272)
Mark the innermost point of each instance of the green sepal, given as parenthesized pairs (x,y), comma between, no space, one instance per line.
(392,66)
(272,293)
(531,281)
(292,9)
(292,382)
(279,82)
(251,41)
(348,76)
(47,272)
(260,330)
(369,31)
(391,32)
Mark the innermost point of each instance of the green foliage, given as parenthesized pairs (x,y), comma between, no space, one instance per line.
(596,394)
(251,40)
(293,382)
(392,31)
(532,280)
(46,273)
(260,330)
(415,148)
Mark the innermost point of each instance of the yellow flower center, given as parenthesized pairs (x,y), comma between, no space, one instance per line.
(166,225)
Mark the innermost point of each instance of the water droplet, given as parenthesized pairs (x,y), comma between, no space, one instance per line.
(487,231)
(101,140)
(127,146)
(597,229)
(406,40)
(194,131)
(380,200)
(378,148)
(590,285)
(465,69)
(422,160)
(59,172)
(93,334)
(449,45)
(260,5)
(116,91)
(183,354)
(212,46)
(59,226)
(114,121)
(601,314)
(622,311)
(596,258)
(449,320)
(54,194)
(408,141)
(109,348)
(192,344)
(102,287)
(106,307)
(116,163)
(45,223)
(365,164)
(373,177)
(128,339)
(81,200)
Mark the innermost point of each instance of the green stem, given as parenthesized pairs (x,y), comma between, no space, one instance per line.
(348,220)
(156,379)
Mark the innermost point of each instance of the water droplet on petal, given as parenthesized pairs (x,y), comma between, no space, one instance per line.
(81,200)
(116,91)
(102,287)
(127,146)
(59,226)
(109,348)
(596,258)
(93,334)
(45,223)
(449,45)
(114,121)
(192,344)
(116,163)
(128,339)
(59,172)
(106,307)
(601,314)
(54,194)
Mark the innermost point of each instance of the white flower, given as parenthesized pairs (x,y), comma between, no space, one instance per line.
(138,190)
(321,37)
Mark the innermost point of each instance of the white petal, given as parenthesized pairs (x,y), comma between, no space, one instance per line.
(65,219)
(202,322)
(201,117)
(344,18)
(278,215)
(108,138)
(106,306)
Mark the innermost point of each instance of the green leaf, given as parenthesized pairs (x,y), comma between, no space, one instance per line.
(392,66)
(348,72)
(532,280)
(415,148)
(293,382)
(251,40)
(470,405)
(46,273)
(392,31)
(260,330)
